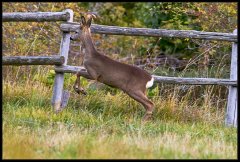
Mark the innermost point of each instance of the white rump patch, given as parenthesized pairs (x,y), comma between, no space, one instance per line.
(150,83)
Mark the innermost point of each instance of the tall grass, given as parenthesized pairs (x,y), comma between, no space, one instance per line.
(107,123)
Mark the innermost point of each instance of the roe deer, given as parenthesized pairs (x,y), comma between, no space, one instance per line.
(130,79)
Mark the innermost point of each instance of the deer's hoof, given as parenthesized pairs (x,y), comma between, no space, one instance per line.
(76,89)
(81,90)
(147,117)
(84,93)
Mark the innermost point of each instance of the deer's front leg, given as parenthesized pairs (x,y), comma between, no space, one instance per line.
(77,86)
(93,73)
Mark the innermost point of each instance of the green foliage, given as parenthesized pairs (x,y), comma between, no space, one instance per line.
(166,15)
(217,17)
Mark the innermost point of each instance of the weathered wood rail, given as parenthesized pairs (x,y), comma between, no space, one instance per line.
(232,104)
(35,16)
(33,60)
(73,69)
(116,30)
(60,97)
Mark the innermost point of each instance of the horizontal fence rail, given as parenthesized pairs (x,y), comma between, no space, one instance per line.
(116,30)
(159,79)
(33,60)
(73,69)
(194,81)
(35,16)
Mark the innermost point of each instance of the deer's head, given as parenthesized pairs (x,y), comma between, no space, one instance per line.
(86,22)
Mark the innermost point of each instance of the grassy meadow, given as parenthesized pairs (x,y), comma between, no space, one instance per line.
(107,123)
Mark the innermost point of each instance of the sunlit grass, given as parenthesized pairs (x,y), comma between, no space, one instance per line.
(107,124)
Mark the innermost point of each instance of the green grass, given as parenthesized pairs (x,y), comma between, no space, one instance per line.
(103,125)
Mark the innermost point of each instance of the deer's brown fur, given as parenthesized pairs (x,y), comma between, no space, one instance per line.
(132,80)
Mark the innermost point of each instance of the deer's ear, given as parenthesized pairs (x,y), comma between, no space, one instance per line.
(83,20)
(89,22)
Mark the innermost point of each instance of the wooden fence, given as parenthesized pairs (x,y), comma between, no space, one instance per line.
(60,97)
(33,60)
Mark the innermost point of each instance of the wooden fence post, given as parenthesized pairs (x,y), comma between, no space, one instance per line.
(231,115)
(59,78)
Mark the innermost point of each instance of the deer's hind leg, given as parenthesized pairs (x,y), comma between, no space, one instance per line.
(142,98)
(77,86)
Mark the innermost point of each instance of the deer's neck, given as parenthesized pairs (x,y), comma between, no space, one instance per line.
(88,44)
